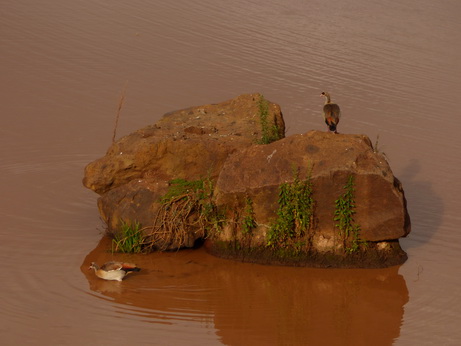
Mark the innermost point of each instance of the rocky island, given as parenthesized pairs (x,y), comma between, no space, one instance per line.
(225,175)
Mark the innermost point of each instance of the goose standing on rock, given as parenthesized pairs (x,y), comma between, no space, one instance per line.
(331,112)
(114,270)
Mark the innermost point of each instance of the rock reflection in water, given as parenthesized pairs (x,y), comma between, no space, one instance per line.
(254,304)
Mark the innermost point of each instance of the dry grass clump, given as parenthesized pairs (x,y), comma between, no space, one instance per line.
(186,213)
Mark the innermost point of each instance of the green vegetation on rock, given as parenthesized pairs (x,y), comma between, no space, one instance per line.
(294,215)
(249,222)
(186,207)
(129,239)
(344,215)
(270,133)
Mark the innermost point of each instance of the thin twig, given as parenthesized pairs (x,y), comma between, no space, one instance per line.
(121,101)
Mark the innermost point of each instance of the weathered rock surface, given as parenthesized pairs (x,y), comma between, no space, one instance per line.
(190,144)
(220,142)
(257,172)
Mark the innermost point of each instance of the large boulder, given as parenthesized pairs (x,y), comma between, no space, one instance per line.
(190,144)
(256,173)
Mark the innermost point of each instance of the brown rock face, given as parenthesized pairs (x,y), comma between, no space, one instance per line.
(190,144)
(380,202)
(257,172)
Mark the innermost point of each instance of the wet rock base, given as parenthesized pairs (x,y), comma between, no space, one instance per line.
(372,257)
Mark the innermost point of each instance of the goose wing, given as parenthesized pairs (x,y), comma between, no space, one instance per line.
(118,266)
(331,110)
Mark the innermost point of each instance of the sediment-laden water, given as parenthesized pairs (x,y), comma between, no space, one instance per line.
(392,67)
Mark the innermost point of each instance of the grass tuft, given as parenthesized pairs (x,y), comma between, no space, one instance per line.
(270,133)
(129,239)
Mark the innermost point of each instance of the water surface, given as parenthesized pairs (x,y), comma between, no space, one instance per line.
(393,68)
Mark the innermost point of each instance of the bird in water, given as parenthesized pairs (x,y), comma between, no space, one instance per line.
(331,112)
(114,270)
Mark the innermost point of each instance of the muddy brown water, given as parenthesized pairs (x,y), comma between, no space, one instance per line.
(392,67)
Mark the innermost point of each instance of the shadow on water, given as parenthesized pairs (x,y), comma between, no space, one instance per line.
(255,304)
(425,207)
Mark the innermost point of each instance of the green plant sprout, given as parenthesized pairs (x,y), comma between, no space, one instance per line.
(344,215)
(249,222)
(294,214)
(129,239)
(269,133)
